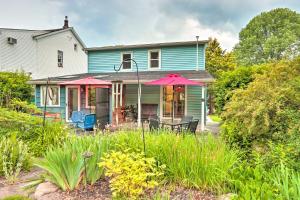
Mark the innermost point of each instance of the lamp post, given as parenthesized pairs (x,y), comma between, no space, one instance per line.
(139,96)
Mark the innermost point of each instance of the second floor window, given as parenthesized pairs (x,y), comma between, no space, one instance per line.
(126,62)
(60,58)
(154,59)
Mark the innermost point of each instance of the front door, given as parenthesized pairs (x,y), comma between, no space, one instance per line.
(102,106)
(73,103)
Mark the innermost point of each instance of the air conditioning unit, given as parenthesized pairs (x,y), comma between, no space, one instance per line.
(11,40)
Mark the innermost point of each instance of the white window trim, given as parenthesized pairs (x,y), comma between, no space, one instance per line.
(127,52)
(42,103)
(149,59)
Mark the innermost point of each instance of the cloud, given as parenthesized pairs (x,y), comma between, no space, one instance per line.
(101,22)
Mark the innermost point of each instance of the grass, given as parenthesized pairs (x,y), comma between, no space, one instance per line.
(215,118)
(203,162)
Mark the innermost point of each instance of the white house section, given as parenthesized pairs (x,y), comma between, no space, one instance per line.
(42,53)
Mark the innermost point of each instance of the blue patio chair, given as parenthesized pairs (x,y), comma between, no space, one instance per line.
(76,118)
(88,122)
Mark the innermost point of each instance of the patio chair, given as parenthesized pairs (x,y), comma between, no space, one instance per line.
(88,123)
(185,119)
(76,118)
(192,127)
(153,124)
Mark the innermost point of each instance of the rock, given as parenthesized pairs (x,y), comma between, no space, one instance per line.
(44,189)
(226,196)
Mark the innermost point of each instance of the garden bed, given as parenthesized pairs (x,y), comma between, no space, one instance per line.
(101,190)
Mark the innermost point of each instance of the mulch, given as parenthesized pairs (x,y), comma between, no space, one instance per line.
(101,190)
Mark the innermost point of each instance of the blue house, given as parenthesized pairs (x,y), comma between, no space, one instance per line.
(154,61)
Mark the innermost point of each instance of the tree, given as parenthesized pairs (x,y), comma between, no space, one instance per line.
(269,36)
(232,80)
(268,109)
(13,85)
(218,60)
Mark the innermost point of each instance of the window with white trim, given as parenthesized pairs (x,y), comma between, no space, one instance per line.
(52,95)
(60,58)
(126,60)
(154,59)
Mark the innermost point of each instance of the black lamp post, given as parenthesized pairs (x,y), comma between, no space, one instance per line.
(139,95)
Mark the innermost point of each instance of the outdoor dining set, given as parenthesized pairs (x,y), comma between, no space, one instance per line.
(185,125)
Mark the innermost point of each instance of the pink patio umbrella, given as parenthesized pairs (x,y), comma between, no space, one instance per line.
(174,79)
(90,81)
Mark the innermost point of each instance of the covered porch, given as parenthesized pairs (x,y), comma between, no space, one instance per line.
(119,103)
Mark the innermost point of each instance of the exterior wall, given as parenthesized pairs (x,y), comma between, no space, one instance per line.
(20,56)
(172,58)
(39,57)
(150,95)
(57,109)
(194,96)
(74,61)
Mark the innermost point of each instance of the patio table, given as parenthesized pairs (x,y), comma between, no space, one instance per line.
(174,124)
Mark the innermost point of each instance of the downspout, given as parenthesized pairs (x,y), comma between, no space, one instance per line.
(197,52)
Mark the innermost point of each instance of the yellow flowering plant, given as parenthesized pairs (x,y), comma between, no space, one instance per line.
(131,173)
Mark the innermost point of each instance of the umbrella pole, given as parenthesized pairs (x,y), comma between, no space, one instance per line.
(45,102)
(90,98)
(173,104)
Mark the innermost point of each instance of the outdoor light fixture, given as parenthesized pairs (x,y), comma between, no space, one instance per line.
(140,122)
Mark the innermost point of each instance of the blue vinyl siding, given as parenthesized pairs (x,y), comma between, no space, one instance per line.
(172,58)
(61,109)
(194,101)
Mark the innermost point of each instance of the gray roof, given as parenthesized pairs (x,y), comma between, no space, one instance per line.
(129,77)
(48,32)
(56,31)
(151,45)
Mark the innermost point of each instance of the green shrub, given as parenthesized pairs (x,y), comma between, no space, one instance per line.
(13,85)
(202,162)
(258,182)
(267,110)
(23,106)
(13,158)
(250,182)
(130,173)
(65,165)
(30,129)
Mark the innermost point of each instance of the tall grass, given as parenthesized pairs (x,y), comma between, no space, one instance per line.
(203,162)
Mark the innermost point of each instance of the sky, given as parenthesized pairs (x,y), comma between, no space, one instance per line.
(111,22)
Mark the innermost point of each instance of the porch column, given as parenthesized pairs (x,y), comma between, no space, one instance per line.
(203,109)
(139,105)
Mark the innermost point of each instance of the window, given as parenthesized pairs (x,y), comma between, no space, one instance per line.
(75,47)
(60,58)
(91,96)
(52,95)
(154,59)
(126,62)
(179,101)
